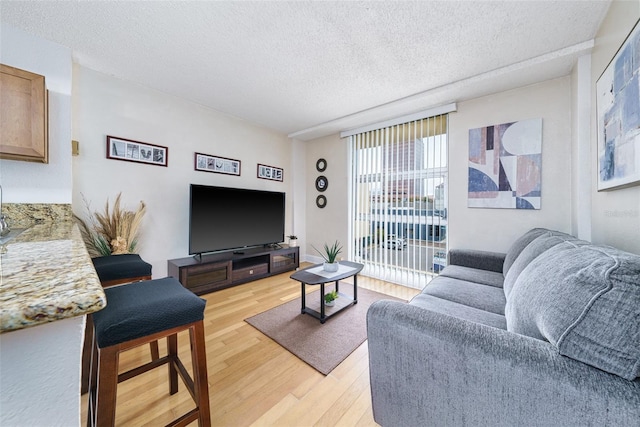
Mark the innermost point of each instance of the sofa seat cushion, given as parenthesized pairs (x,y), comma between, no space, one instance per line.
(482,297)
(461,311)
(585,300)
(484,277)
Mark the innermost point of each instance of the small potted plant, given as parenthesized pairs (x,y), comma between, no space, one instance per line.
(330,298)
(330,256)
(293,240)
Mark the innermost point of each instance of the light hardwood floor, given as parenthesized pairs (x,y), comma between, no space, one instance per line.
(253,381)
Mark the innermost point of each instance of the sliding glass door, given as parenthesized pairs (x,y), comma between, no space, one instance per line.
(399,200)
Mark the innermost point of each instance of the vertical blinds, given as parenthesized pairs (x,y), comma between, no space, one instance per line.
(399,200)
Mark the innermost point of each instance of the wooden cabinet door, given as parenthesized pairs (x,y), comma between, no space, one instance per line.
(23,122)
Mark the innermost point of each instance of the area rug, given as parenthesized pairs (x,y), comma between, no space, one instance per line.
(323,346)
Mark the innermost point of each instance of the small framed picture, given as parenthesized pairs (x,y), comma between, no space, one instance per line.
(270,172)
(216,164)
(136,151)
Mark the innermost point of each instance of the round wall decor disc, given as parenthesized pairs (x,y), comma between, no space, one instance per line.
(321,165)
(322,183)
(321,201)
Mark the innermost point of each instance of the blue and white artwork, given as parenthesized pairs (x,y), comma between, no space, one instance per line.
(618,105)
(505,165)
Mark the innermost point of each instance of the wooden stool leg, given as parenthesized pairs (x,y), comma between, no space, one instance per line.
(107,384)
(86,354)
(155,353)
(172,352)
(200,378)
(92,377)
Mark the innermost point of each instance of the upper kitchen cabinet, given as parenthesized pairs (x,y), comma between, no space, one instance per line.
(23,116)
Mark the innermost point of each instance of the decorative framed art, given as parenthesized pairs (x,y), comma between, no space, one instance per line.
(321,201)
(505,165)
(136,151)
(217,164)
(618,112)
(270,172)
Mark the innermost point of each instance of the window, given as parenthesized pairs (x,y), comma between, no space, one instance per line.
(399,200)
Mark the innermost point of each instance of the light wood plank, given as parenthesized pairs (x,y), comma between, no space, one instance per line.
(253,380)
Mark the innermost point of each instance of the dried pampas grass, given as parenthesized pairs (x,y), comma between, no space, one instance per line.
(112,232)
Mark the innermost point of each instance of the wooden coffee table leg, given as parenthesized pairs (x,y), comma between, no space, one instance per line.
(355,289)
(322,303)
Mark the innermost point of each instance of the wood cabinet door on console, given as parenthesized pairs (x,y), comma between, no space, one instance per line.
(206,277)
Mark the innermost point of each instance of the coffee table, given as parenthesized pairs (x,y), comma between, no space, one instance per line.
(314,275)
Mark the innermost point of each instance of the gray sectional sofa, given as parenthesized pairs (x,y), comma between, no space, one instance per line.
(547,334)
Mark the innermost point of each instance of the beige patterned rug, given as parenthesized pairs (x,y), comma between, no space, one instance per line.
(323,346)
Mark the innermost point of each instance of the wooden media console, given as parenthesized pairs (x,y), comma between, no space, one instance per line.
(222,270)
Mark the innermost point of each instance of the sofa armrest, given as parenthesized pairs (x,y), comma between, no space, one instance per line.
(483,260)
(428,368)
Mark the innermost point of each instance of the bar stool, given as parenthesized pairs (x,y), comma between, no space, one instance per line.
(114,270)
(137,314)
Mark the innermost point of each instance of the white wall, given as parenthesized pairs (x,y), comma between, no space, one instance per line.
(496,229)
(474,228)
(40,375)
(299,194)
(103,105)
(29,182)
(330,223)
(615,214)
(581,148)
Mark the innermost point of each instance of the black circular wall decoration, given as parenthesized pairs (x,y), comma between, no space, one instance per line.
(321,165)
(321,201)
(322,183)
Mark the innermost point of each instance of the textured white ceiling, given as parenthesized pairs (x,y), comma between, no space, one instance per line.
(311,68)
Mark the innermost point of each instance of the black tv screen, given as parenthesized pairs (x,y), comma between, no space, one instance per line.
(224,218)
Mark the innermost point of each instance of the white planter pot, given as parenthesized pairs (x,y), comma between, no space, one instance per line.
(293,243)
(331,267)
(330,304)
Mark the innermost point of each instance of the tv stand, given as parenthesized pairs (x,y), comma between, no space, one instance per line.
(208,273)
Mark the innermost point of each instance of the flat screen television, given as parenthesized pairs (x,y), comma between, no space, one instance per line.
(222,218)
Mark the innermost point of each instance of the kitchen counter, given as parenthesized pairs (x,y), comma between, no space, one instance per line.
(46,275)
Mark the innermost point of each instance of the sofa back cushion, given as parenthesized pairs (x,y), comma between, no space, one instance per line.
(519,245)
(585,300)
(534,249)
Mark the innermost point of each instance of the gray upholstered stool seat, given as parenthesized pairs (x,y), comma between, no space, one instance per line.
(145,308)
(124,268)
(136,314)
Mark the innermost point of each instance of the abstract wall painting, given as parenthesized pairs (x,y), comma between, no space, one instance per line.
(618,108)
(505,165)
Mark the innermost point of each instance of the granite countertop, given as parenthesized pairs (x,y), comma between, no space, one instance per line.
(46,275)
